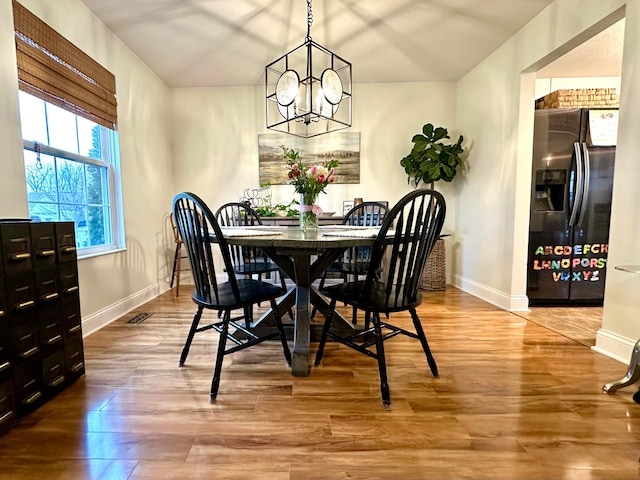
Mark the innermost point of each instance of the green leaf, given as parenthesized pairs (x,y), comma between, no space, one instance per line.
(439,134)
(427,129)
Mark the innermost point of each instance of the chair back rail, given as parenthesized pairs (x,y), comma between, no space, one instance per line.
(196,224)
(416,221)
(236,214)
(366,214)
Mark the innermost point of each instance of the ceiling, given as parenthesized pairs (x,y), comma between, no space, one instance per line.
(600,56)
(228,42)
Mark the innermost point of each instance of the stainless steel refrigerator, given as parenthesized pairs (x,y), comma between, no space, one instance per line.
(572,183)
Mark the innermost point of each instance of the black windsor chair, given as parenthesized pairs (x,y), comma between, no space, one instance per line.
(199,229)
(247,261)
(354,261)
(409,231)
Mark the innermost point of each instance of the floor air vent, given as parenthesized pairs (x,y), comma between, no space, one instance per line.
(139,318)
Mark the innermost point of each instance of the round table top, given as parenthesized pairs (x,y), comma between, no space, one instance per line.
(335,236)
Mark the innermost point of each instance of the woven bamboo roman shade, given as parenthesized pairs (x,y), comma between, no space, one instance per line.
(53,69)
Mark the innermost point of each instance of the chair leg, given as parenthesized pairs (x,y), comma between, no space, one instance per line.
(382,363)
(248,316)
(178,270)
(423,341)
(283,336)
(192,332)
(325,331)
(215,382)
(354,314)
(320,286)
(176,257)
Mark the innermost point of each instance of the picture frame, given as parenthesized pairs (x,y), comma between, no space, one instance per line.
(346,206)
(342,146)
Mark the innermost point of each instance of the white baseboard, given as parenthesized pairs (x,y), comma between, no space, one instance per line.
(94,322)
(511,303)
(614,346)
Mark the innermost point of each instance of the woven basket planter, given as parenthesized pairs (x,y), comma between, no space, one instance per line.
(434,272)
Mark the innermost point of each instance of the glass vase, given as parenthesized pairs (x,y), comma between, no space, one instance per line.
(308,219)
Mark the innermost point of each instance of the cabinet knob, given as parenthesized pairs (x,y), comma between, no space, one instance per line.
(45,253)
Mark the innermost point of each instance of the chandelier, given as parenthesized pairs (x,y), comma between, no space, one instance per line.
(308,90)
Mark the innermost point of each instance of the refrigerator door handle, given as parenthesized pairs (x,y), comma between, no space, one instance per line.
(585,188)
(577,197)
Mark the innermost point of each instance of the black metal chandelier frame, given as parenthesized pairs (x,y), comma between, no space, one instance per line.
(315,102)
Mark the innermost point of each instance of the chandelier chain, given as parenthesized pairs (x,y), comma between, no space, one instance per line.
(309,20)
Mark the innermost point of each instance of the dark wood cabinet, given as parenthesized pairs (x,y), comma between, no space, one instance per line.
(41,348)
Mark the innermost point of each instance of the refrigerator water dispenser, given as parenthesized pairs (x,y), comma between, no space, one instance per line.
(550,190)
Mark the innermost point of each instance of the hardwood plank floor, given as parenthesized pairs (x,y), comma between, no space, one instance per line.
(578,323)
(514,400)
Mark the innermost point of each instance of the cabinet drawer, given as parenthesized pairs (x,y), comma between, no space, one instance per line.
(66,242)
(8,415)
(47,285)
(50,334)
(68,283)
(21,294)
(24,337)
(3,299)
(74,360)
(16,248)
(43,244)
(53,372)
(28,384)
(71,325)
(6,353)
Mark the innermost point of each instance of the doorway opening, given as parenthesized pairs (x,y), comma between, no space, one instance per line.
(595,64)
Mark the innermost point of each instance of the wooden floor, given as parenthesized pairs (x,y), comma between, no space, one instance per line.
(578,323)
(514,400)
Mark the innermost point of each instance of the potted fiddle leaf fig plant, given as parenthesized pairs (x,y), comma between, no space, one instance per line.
(431,159)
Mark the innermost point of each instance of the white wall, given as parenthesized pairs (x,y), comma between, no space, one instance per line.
(110,284)
(13,189)
(495,111)
(620,326)
(216,139)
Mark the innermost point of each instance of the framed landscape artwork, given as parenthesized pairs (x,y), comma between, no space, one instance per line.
(344,147)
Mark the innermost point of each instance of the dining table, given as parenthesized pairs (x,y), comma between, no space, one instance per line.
(303,256)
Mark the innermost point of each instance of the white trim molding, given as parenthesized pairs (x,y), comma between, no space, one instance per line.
(614,346)
(511,303)
(94,322)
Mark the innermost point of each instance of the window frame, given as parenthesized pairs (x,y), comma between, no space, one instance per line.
(110,150)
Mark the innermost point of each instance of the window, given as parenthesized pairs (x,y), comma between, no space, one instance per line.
(71,167)
(68,113)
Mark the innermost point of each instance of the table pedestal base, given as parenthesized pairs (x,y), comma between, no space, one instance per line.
(632,376)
